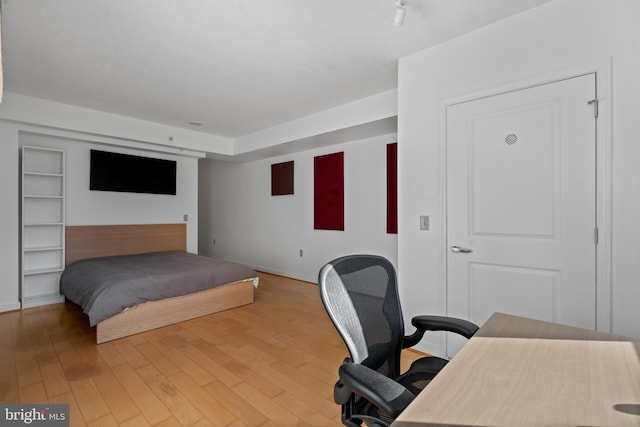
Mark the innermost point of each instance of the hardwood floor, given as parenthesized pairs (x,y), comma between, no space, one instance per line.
(272,363)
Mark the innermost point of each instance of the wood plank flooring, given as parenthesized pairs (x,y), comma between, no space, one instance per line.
(271,363)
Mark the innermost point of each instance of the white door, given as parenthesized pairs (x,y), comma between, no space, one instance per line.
(521,205)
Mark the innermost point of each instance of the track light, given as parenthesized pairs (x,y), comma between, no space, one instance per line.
(398,18)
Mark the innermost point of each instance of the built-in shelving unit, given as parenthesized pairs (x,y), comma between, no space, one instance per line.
(43,222)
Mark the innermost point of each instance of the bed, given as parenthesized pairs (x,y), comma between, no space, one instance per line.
(119,310)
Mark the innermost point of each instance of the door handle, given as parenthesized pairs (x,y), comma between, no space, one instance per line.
(460,250)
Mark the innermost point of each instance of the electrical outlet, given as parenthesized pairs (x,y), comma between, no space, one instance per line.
(300,253)
(185,218)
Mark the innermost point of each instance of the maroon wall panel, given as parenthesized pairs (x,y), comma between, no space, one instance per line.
(392,188)
(328,192)
(282,178)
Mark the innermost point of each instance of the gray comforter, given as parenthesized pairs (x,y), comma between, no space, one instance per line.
(107,286)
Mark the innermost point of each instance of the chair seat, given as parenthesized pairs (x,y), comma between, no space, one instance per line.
(421,372)
(417,377)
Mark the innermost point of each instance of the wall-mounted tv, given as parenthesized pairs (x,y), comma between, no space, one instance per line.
(131,174)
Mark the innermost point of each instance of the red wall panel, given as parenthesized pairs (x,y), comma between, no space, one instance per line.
(328,192)
(392,188)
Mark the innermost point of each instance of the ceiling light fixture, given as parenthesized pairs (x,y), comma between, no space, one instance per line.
(398,18)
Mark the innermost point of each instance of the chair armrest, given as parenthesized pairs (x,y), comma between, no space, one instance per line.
(439,323)
(382,391)
(443,323)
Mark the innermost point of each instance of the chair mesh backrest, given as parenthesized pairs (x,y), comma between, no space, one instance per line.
(360,295)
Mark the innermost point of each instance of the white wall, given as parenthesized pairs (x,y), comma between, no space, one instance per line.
(9,219)
(85,207)
(18,124)
(556,36)
(267,232)
(357,114)
(54,115)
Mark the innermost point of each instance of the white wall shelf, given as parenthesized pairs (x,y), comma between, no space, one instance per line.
(43,222)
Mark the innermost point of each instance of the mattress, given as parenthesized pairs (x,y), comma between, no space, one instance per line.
(107,286)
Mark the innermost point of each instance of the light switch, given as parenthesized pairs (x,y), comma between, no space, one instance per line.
(424,222)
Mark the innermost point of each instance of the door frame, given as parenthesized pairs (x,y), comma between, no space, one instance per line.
(602,71)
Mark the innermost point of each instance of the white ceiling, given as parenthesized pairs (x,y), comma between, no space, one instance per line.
(237,66)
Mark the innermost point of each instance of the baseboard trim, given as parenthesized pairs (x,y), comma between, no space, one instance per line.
(10,306)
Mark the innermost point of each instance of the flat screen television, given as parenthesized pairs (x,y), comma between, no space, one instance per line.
(131,174)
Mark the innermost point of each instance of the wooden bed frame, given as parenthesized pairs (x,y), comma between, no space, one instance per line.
(106,240)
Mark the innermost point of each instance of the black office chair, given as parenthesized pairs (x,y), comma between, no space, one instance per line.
(360,295)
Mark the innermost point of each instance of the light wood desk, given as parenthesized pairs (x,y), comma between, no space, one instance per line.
(518,372)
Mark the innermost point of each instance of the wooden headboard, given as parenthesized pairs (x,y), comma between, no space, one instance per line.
(92,241)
